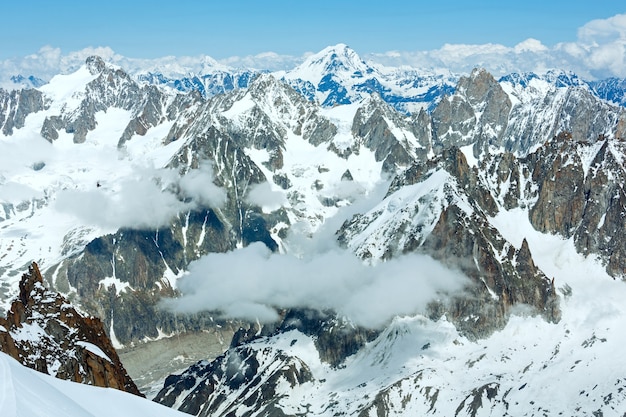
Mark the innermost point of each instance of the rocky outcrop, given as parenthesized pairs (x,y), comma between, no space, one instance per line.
(478,113)
(581,195)
(16,105)
(44,332)
(246,380)
(388,134)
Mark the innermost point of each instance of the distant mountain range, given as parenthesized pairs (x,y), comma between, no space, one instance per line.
(337,75)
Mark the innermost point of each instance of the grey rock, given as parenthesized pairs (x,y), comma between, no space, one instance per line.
(477,113)
(374,125)
(16,105)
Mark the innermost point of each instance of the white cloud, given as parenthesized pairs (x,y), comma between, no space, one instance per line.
(599,52)
(263,196)
(148,201)
(270,61)
(250,283)
(14,192)
(604,31)
(530,45)
(22,154)
(197,185)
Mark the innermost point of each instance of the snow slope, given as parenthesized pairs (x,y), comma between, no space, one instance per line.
(27,393)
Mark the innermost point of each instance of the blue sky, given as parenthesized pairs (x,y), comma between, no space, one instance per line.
(150,29)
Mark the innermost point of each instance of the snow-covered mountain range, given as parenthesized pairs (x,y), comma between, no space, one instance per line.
(373,233)
(337,74)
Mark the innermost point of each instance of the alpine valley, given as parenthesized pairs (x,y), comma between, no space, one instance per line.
(338,239)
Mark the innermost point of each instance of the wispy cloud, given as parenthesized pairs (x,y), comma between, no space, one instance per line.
(598,52)
(264,196)
(251,283)
(146,201)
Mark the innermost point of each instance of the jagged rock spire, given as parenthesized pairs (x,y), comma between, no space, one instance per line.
(45,332)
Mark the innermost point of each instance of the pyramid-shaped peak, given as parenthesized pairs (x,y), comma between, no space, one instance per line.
(337,57)
(210,65)
(480,78)
(339,60)
(481,72)
(339,49)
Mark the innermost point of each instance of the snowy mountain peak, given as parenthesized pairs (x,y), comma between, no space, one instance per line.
(338,60)
(338,57)
(95,64)
(209,65)
(338,75)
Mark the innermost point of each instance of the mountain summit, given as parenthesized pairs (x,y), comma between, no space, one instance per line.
(338,75)
(339,61)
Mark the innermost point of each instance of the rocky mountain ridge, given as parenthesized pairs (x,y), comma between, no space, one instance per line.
(46,333)
(346,78)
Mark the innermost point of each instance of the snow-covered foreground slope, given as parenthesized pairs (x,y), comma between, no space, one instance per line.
(27,393)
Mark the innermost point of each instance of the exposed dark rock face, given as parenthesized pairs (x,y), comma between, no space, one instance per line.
(335,339)
(236,174)
(581,194)
(142,260)
(394,139)
(477,113)
(16,105)
(44,332)
(451,223)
